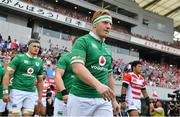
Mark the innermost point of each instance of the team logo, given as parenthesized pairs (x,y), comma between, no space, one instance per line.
(37,64)
(102,60)
(26,61)
(30,70)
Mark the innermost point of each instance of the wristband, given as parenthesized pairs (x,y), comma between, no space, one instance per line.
(64,92)
(5,91)
(123,98)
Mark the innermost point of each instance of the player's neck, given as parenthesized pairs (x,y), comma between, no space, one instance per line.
(136,73)
(99,37)
(31,55)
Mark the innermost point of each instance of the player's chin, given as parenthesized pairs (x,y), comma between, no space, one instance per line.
(35,53)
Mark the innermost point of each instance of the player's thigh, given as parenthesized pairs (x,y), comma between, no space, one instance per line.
(60,108)
(16,99)
(2,106)
(103,108)
(29,101)
(78,106)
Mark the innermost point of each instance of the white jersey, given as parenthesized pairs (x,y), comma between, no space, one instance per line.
(136,84)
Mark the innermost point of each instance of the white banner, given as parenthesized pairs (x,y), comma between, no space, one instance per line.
(35,10)
(156,46)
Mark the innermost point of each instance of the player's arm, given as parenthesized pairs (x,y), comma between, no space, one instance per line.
(145,95)
(9,71)
(60,84)
(124,88)
(61,66)
(111,84)
(40,86)
(6,77)
(125,85)
(83,73)
(58,79)
(40,83)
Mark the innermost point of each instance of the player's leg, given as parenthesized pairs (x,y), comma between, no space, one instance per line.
(43,107)
(133,107)
(104,108)
(28,104)
(59,108)
(16,101)
(2,106)
(78,106)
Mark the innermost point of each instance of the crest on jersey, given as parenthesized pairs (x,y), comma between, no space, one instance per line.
(26,61)
(37,64)
(102,60)
(30,70)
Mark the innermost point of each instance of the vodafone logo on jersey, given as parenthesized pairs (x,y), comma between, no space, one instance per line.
(30,70)
(102,60)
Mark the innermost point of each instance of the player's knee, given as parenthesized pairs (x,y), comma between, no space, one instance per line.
(15,112)
(26,111)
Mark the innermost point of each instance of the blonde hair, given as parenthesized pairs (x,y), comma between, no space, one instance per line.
(99,13)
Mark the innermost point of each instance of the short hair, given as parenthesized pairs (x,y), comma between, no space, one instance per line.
(33,41)
(134,64)
(99,13)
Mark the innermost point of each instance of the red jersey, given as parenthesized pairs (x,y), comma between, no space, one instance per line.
(136,83)
(45,87)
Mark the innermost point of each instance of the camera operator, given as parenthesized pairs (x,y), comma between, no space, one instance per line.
(171,106)
(178,104)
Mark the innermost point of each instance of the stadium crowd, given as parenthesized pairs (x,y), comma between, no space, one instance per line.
(155,74)
(86,18)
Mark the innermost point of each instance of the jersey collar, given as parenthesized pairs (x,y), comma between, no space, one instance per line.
(30,56)
(96,37)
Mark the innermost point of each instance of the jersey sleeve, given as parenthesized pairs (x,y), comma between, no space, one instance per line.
(40,73)
(62,63)
(14,63)
(2,71)
(79,51)
(127,78)
(110,68)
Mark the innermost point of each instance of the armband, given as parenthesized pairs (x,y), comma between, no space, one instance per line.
(125,84)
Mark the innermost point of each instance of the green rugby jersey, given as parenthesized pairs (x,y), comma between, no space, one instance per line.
(68,77)
(26,71)
(96,56)
(2,71)
(1,64)
(10,83)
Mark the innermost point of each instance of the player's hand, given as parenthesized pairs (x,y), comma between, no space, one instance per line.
(116,107)
(124,105)
(6,97)
(106,92)
(39,102)
(65,98)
